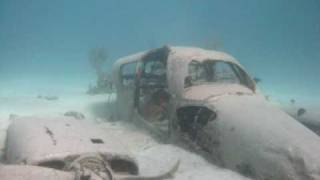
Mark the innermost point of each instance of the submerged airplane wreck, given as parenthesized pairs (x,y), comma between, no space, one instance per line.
(208,97)
(67,149)
(202,98)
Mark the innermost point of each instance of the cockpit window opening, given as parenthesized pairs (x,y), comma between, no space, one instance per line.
(128,73)
(216,71)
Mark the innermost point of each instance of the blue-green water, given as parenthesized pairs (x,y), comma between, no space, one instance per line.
(45,47)
(276,40)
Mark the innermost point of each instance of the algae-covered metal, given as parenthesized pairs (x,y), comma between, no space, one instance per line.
(208,97)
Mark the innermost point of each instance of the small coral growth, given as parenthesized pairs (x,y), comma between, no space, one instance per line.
(97,58)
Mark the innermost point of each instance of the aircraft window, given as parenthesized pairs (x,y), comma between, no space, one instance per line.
(223,72)
(197,71)
(244,77)
(154,74)
(128,72)
(215,71)
(155,67)
(212,71)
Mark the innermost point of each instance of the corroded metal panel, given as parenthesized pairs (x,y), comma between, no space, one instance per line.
(34,140)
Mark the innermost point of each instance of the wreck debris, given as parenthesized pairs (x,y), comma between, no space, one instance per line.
(54,164)
(96,141)
(75,114)
(93,166)
(89,166)
(50,133)
(49,98)
(301,111)
(86,152)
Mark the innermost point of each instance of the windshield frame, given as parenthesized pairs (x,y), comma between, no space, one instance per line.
(242,76)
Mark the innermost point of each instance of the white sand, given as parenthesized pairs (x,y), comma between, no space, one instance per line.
(155,158)
(192,167)
(19,97)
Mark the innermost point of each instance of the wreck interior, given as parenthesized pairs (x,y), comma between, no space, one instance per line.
(192,122)
(152,96)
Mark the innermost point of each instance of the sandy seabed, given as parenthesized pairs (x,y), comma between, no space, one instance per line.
(21,98)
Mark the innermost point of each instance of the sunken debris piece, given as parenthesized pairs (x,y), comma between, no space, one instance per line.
(292,101)
(105,157)
(50,133)
(75,114)
(48,98)
(301,111)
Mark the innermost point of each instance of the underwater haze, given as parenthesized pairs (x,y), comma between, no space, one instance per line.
(56,60)
(276,40)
